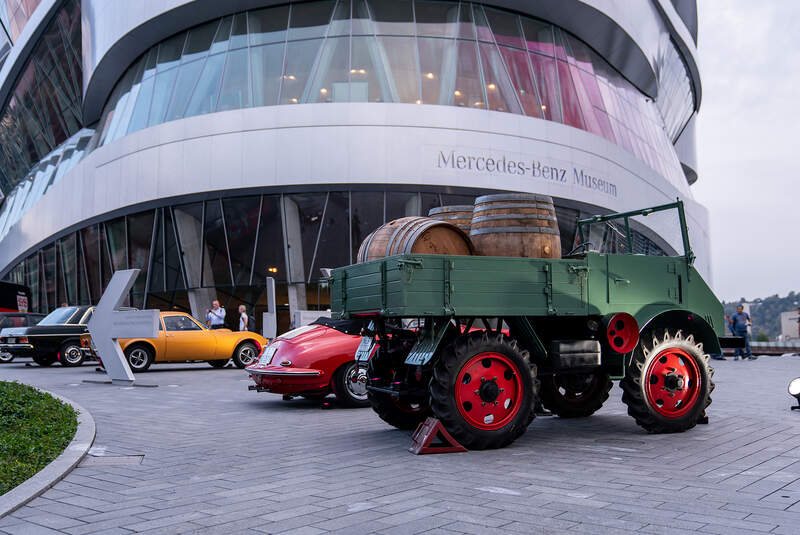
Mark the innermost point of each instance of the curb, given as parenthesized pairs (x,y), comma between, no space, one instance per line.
(59,467)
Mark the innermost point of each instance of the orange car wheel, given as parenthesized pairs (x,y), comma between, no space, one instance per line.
(139,357)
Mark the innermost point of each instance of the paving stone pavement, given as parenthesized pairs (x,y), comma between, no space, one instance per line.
(218,458)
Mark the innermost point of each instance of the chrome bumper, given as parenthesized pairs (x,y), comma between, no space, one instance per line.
(280,373)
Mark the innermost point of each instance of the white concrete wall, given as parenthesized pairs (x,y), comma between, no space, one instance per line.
(346,143)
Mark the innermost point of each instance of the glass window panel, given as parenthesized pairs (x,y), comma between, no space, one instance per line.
(184,85)
(115,233)
(235,93)
(436,19)
(220,42)
(401,204)
(499,91)
(169,52)
(310,19)
(270,259)
(174,280)
(127,110)
(140,236)
(199,41)
(334,242)
(505,27)
(67,248)
(241,218)
(592,88)
(361,21)
(367,216)
(302,215)
(150,63)
(438,60)
(587,111)
(267,67)
(189,227)
(157,268)
(392,17)
(403,75)
(466,28)
(579,54)
(569,99)
(204,98)
(340,24)
(49,272)
(544,69)
(239,32)
(332,76)
(164,82)
(369,79)
(519,69)
(142,109)
(268,25)
(481,24)
(468,88)
(216,272)
(539,36)
(91,253)
(604,124)
(300,59)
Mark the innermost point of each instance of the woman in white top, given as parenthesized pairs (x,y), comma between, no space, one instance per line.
(243,319)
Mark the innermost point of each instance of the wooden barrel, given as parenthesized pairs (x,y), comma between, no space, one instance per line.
(515,224)
(459,215)
(420,235)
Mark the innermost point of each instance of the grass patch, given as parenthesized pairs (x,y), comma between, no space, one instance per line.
(34,429)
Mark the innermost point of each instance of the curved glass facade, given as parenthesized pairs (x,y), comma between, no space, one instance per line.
(44,109)
(14,14)
(42,177)
(225,247)
(431,52)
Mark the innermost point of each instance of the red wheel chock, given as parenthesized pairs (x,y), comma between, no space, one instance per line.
(422,441)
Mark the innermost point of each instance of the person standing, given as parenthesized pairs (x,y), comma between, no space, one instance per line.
(739,323)
(215,316)
(244,320)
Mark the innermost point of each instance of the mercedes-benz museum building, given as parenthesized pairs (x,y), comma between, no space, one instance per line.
(213,144)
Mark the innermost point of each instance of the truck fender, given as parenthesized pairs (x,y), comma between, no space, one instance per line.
(686,321)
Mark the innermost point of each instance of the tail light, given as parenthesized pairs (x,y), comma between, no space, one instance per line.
(84,342)
(23,340)
(622,332)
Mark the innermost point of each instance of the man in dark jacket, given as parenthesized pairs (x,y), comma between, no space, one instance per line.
(739,323)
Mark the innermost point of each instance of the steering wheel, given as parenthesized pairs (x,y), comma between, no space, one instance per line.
(579,246)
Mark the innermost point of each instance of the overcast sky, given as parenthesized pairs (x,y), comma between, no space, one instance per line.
(749,144)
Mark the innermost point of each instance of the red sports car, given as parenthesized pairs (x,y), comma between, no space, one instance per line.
(313,361)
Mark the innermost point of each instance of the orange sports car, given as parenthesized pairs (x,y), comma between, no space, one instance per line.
(181,338)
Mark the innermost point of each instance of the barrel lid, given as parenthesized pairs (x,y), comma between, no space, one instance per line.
(452,208)
(513,197)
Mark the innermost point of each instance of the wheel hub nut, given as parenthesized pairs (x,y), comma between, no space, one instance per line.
(673,382)
(489,391)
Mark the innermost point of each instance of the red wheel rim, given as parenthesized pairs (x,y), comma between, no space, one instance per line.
(489,391)
(672,382)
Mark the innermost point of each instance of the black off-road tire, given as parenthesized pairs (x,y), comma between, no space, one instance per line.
(139,357)
(44,360)
(443,385)
(70,354)
(635,381)
(397,413)
(240,355)
(218,363)
(347,392)
(557,395)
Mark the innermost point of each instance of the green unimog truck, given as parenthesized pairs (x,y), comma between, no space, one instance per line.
(476,341)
